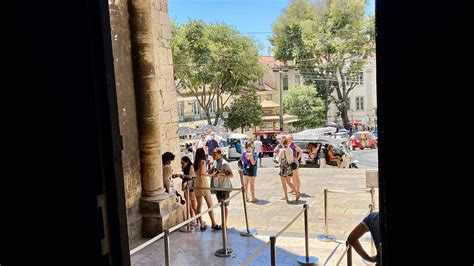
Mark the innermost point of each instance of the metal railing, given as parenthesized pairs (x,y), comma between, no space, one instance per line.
(225,251)
(304,260)
(326,237)
(347,251)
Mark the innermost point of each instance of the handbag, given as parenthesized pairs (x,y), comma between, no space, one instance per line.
(285,167)
(294,166)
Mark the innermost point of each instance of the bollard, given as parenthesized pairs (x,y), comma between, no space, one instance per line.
(250,232)
(349,256)
(326,237)
(225,251)
(273,250)
(167,247)
(306,260)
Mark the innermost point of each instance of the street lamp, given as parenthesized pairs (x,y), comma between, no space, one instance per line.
(280,70)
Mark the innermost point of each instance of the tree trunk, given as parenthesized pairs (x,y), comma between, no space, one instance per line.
(218,106)
(326,109)
(345,118)
(242,130)
(208,117)
(326,98)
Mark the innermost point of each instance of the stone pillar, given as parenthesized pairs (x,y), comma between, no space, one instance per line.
(159,210)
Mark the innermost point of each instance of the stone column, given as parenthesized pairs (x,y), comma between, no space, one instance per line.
(159,210)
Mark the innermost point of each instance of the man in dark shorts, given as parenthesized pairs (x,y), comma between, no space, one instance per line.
(223,175)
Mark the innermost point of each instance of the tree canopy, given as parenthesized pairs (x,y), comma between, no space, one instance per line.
(213,62)
(303,102)
(244,111)
(329,42)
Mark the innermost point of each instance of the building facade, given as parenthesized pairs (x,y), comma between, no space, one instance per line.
(362,99)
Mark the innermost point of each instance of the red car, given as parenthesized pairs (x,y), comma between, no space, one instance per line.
(362,140)
(269,141)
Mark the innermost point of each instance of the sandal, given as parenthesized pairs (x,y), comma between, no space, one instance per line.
(203,227)
(217,227)
(254,200)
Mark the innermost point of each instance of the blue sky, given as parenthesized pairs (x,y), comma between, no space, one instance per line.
(250,17)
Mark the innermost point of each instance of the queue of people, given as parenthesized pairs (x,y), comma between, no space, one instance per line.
(207,161)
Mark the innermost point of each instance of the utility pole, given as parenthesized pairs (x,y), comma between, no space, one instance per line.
(279,70)
(281,102)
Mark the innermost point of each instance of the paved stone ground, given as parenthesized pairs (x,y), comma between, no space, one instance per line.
(269,216)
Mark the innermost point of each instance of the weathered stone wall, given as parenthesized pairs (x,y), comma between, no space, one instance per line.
(168,106)
(127,114)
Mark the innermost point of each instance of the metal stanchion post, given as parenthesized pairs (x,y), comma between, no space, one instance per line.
(349,256)
(326,237)
(225,251)
(167,247)
(306,260)
(250,232)
(273,250)
(188,214)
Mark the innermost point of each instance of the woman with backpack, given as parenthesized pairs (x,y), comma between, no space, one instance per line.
(285,158)
(248,169)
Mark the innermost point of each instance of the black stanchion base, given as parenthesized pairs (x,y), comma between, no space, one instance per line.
(327,238)
(251,232)
(310,261)
(222,253)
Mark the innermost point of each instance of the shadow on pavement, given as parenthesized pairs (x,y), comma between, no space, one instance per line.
(262,202)
(304,195)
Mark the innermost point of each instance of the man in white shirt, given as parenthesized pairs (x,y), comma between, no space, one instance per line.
(257,144)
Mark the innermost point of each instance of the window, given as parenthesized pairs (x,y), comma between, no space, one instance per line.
(180,108)
(260,81)
(285,82)
(196,108)
(297,79)
(361,78)
(213,107)
(359,103)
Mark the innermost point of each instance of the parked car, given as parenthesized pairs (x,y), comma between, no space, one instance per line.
(362,140)
(314,148)
(315,151)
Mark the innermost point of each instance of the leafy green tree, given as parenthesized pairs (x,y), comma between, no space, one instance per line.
(328,41)
(213,62)
(244,111)
(304,102)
